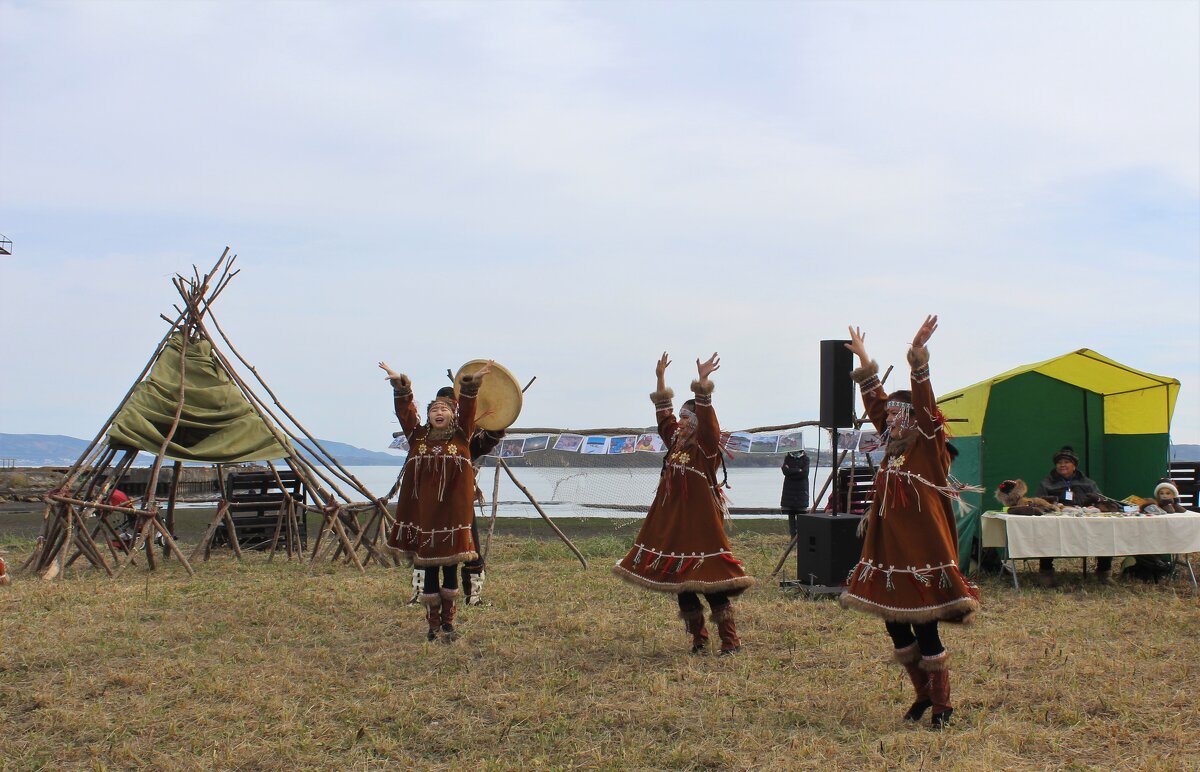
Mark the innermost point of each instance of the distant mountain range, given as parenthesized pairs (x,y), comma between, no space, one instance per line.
(59,450)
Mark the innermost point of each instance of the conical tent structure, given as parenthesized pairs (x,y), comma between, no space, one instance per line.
(191,404)
(1009,426)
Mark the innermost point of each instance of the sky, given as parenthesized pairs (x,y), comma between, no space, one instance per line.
(573,188)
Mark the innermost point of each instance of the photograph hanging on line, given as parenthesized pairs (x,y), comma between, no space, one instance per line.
(651,443)
(536,443)
(595,446)
(622,444)
(739,442)
(790,442)
(512,448)
(568,442)
(869,441)
(765,444)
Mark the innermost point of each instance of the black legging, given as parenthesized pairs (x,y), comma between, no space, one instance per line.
(449,579)
(925,634)
(689,601)
(474,566)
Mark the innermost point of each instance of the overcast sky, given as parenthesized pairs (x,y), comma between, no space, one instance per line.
(571,188)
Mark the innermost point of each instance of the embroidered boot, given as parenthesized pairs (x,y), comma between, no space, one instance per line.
(473,586)
(910,657)
(723,618)
(939,688)
(449,608)
(418,582)
(433,614)
(693,622)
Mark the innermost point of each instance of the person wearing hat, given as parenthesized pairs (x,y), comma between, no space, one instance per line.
(908,573)
(1066,486)
(682,547)
(435,505)
(1166,499)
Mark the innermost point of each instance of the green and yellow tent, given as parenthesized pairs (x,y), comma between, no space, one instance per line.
(1009,426)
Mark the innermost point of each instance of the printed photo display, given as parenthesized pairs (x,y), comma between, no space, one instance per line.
(569,442)
(624,444)
(740,442)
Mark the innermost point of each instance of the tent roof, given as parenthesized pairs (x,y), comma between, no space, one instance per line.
(217,424)
(1140,402)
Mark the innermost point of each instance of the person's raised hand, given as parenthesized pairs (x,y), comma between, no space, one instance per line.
(926,332)
(487,368)
(707,368)
(857,344)
(664,362)
(392,375)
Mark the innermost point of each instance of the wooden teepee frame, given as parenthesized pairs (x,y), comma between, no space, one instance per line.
(85,491)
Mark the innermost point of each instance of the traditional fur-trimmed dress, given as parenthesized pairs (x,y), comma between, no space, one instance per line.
(682,545)
(435,506)
(909,571)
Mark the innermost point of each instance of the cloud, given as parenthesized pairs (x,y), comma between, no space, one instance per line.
(572,188)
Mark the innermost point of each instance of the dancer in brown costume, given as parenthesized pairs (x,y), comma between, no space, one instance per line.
(908,573)
(682,547)
(435,506)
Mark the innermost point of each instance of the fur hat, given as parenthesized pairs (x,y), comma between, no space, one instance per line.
(1010,492)
(1066,453)
(1166,485)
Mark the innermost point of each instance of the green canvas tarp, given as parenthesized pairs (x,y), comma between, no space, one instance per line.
(1009,426)
(218,425)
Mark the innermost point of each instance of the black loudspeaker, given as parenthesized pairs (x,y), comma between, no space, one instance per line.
(826,547)
(837,390)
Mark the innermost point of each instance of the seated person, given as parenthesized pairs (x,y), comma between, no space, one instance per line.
(1067,486)
(1166,500)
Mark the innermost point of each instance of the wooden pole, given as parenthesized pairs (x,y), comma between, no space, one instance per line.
(545,517)
(487,547)
(212,529)
(347,475)
(176,473)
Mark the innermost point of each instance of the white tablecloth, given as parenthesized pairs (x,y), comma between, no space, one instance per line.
(1051,536)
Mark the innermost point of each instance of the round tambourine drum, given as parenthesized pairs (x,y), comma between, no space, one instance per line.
(499,400)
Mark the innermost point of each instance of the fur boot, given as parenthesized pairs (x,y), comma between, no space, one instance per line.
(693,622)
(418,583)
(433,614)
(726,628)
(472,581)
(449,608)
(910,658)
(939,688)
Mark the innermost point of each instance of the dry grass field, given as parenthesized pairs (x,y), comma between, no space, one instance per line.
(251,666)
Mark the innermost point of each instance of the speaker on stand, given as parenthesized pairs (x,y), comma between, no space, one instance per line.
(827,546)
(837,389)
